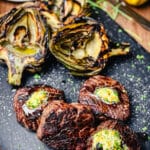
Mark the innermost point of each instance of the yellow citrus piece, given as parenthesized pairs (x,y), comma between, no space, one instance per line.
(135,2)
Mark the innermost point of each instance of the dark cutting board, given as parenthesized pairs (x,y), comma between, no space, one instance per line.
(133,71)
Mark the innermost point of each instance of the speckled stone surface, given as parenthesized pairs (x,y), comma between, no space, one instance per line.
(133,71)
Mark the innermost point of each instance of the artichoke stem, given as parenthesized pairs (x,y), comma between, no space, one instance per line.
(15,74)
(121,49)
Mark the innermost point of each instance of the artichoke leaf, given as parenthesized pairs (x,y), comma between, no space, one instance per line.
(81,2)
(52,20)
(119,49)
(68,6)
(4,20)
(76,9)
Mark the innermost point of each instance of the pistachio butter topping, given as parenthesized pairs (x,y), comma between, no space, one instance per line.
(108,139)
(36,99)
(107,95)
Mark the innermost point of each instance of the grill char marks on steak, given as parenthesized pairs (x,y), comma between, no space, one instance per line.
(66,126)
(32,120)
(128,137)
(120,110)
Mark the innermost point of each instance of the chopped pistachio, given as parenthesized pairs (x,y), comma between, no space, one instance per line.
(137,108)
(143,97)
(120,30)
(117,44)
(36,99)
(133,66)
(148,68)
(107,139)
(144,129)
(107,95)
(140,57)
(37,76)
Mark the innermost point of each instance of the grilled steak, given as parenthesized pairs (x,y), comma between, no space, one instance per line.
(29,103)
(106,96)
(118,135)
(65,126)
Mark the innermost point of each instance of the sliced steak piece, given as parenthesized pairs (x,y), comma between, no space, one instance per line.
(106,97)
(113,135)
(66,126)
(29,103)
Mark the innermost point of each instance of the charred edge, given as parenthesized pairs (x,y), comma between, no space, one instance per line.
(19,14)
(5,17)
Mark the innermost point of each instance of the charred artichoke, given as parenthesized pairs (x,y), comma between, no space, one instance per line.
(60,12)
(83,47)
(23,42)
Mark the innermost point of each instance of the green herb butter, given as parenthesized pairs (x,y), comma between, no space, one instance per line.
(107,95)
(108,139)
(36,99)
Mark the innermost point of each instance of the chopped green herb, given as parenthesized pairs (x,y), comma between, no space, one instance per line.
(120,30)
(148,68)
(143,97)
(139,57)
(144,129)
(37,76)
(133,66)
(137,108)
(144,110)
(138,79)
(130,76)
(117,44)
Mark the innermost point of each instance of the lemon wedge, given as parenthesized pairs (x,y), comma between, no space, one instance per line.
(135,2)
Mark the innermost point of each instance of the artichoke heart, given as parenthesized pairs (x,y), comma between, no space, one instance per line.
(23,42)
(83,47)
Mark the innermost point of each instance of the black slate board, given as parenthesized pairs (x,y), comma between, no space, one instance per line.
(133,73)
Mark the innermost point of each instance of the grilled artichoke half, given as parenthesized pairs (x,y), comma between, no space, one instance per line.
(83,47)
(62,12)
(23,42)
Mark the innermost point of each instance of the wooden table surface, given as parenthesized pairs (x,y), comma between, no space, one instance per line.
(141,35)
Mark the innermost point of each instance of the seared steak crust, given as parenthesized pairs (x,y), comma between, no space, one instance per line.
(102,110)
(127,135)
(31,120)
(65,126)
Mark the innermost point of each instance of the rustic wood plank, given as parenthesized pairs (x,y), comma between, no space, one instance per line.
(141,35)
(6,6)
